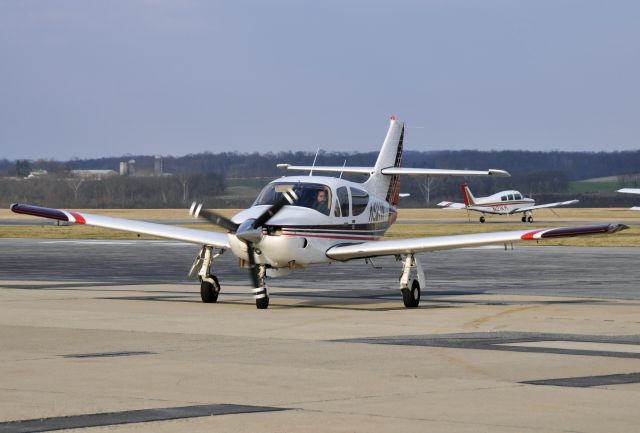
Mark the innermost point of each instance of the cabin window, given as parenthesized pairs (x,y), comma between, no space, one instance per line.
(337,212)
(510,197)
(359,201)
(343,199)
(311,195)
(518,196)
(503,198)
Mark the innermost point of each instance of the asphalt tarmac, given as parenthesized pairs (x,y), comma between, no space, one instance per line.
(111,336)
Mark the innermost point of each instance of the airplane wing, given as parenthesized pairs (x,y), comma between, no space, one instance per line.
(630,190)
(451,205)
(397,170)
(202,237)
(542,206)
(436,243)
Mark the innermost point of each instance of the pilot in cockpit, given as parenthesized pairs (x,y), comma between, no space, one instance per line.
(321,203)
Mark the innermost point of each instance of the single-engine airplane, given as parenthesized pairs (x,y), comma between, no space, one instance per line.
(500,203)
(300,220)
(631,191)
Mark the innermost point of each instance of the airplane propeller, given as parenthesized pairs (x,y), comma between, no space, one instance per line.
(250,230)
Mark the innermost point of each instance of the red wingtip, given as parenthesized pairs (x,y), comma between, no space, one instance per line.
(393,117)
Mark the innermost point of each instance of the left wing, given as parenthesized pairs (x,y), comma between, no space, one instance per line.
(396,170)
(436,243)
(542,206)
(202,237)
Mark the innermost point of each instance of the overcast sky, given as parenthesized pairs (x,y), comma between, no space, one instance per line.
(106,78)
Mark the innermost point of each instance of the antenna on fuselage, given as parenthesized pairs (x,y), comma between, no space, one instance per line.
(314,162)
(343,166)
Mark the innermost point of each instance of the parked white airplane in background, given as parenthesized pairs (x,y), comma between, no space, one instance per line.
(631,191)
(300,220)
(500,203)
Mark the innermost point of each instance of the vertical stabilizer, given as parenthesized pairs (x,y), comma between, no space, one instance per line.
(388,186)
(469,199)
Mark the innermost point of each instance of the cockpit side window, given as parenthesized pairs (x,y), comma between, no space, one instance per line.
(359,201)
(518,196)
(503,198)
(343,199)
(510,197)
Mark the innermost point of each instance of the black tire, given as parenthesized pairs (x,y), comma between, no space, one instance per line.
(524,219)
(530,219)
(411,297)
(482,219)
(262,303)
(209,292)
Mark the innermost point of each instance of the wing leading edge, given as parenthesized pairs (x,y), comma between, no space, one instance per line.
(202,237)
(436,243)
(543,206)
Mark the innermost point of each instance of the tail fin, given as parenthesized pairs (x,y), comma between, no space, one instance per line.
(469,199)
(382,185)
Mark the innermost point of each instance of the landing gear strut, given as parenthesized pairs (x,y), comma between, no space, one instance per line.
(410,287)
(261,294)
(209,285)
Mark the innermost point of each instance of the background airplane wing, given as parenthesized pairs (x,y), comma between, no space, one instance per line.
(630,190)
(542,206)
(202,237)
(436,243)
(451,205)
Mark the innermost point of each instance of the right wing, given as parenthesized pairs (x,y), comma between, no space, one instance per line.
(543,206)
(436,243)
(396,170)
(202,237)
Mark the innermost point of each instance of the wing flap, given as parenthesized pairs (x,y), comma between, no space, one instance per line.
(202,237)
(436,243)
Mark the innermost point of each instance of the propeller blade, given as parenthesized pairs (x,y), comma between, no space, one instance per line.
(213,217)
(288,197)
(253,269)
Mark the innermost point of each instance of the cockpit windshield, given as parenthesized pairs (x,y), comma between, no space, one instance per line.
(312,195)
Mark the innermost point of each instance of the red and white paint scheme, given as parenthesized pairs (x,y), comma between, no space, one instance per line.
(299,220)
(631,191)
(501,203)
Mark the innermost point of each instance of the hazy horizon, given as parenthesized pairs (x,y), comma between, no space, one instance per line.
(91,79)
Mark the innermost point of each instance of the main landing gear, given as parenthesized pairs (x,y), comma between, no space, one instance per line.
(410,287)
(527,218)
(209,285)
(482,219)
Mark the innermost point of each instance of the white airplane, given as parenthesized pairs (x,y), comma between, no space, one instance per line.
(500,203)
(300,220)
(631,191)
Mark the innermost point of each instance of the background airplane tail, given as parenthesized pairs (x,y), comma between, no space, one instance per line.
(382,185)
(469,199)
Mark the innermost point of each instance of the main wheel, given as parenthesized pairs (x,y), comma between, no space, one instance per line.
(482,220)
(530,219)
(209,292)
(262,303)
(524,219)
(411,297)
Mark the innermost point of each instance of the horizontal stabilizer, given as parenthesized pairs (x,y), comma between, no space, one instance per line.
(630,190)
(444,172)
(451,205)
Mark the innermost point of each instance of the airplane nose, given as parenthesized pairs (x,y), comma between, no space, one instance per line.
(247,233)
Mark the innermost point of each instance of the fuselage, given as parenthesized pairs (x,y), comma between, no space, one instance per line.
(503,202)
(301,233)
